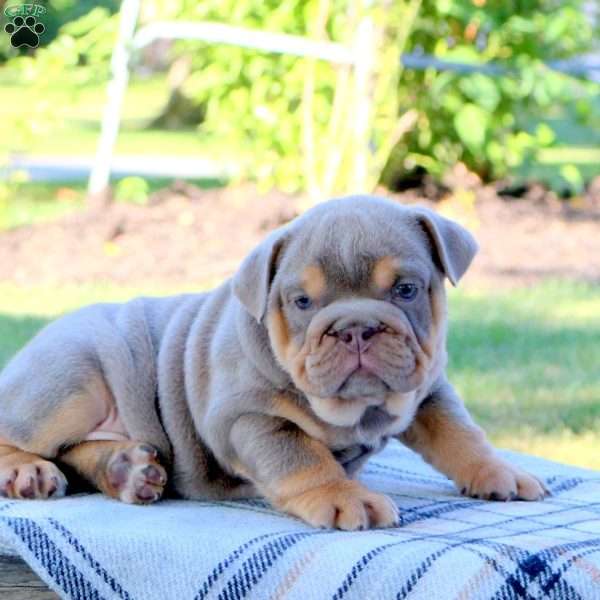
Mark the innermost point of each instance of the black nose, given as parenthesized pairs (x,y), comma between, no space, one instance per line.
(357,338)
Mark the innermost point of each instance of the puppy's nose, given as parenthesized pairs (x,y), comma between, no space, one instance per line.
(357,338)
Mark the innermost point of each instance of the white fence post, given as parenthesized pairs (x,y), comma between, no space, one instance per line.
(100,175)
(360,57)
(363,70)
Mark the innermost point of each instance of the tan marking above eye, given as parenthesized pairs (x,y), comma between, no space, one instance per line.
(313,281)
(385,272)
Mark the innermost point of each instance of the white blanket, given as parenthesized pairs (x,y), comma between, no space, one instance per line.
(446,547)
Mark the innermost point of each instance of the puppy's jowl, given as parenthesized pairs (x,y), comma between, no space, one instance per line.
(282,382)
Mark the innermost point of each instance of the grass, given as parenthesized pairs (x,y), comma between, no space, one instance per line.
(24,204)
(525,361)
(32,202)
(66,121)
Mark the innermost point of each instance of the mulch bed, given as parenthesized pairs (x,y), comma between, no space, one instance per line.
(188,236)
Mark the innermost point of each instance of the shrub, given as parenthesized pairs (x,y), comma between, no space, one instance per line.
(290,121)
(485,120)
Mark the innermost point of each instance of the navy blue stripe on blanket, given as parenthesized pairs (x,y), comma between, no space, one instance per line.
(253,569)
(587,547)
(220,568)
(536,567)
(442,508)
(358,567)
(54,562)
(539,566)
(98,568)
(404,475)
(528,566)
(515,585)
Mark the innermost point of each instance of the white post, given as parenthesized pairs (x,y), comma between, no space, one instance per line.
(100,175)
(363,70)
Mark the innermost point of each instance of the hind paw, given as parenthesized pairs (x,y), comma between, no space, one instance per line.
(38,479)
(135,474)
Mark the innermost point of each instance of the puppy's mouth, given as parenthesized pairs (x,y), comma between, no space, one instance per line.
(362,381)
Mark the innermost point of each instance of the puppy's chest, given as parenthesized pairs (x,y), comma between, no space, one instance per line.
(372,430)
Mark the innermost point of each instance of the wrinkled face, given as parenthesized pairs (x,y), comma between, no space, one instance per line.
(356,311)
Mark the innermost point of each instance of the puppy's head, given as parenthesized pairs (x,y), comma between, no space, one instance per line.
(352,296)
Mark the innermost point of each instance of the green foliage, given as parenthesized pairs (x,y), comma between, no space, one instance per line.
(23,202)
(484,120)
(292,122)
(134,190)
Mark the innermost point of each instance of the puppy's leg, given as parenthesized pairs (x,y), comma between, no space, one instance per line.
(299,475)
(37,419)
(445,435)
(24,475)
(128,471)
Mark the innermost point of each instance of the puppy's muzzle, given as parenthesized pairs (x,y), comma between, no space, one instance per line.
(362,348)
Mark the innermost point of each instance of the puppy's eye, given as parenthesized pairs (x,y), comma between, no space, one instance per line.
(303,302)
(404,291)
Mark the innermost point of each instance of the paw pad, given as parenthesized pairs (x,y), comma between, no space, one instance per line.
(135,475)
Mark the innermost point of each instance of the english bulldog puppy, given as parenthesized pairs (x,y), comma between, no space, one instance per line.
(329,340)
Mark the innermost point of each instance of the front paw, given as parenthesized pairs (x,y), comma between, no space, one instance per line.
(499,480)
(344,505)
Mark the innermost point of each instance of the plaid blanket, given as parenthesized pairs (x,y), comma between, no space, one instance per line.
(447,547)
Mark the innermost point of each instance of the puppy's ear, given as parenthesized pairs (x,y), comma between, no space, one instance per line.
(454,245)
(252,282)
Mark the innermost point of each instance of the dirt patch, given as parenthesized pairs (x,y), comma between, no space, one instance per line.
(198,237)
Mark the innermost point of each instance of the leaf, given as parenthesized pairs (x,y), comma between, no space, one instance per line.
(544,134)
(482,90)
(471,123)
(572,176)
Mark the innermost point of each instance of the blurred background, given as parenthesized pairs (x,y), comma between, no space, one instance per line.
(146,146)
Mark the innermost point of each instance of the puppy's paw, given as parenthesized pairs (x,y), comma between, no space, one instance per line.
(499,480)
(36,479)
(344,505)
(135,475)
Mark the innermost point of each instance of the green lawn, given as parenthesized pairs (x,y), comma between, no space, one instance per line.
(26,203)
(526,361)
(62,120)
